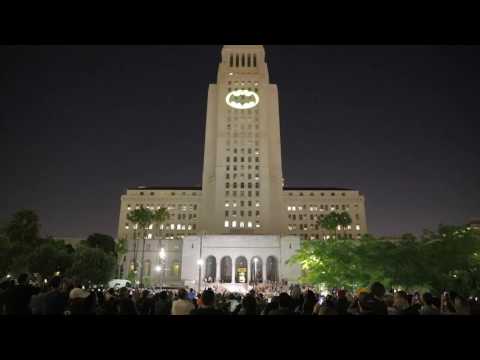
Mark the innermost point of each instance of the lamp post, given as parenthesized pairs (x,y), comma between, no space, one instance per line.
(163,256)
(199,263)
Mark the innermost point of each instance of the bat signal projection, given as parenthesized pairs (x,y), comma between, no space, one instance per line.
(242,99)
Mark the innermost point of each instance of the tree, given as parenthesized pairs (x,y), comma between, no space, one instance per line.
(332,220)
(101,241)
(92,265)
(144,219)
(446,259)
(24,228)
(50,257)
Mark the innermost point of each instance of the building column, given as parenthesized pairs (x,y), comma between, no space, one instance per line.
(249,270)
(217,274)
(264,270)
(233,271)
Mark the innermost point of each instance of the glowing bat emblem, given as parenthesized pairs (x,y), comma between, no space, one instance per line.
(242,99)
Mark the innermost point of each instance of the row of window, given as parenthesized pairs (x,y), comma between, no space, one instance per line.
(241,224)
(142,193)
(162,227)
(242,159)
(241,167)
(169,207)
(241,175)
(243,60)
(313,194)
(241,203)
(312,217)
(242,185)
(241,193)
(319,207)
(242,213)
(306,227)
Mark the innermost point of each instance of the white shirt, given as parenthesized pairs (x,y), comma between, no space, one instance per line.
(182,307)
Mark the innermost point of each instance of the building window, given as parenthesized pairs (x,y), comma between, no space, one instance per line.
(227,224)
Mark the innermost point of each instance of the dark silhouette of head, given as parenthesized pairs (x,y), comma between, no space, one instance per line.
(377,290)
(56,282)
(208,297)
(23,279)
(249,304)
(427,299)
(182,294)
(284,300)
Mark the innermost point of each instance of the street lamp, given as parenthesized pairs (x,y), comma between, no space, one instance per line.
(199,263)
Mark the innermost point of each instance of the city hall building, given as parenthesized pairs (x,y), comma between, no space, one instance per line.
(243,224)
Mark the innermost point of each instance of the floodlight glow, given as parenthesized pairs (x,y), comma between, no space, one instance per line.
(242,99)
(158,268)
(200,262)
(162,254)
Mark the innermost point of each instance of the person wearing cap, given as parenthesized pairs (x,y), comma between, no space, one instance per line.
(77,302)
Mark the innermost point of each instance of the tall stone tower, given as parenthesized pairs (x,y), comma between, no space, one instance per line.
(242,190)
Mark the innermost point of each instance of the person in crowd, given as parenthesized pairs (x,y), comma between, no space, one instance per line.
(428,307)
(284,305)
(38,301)
(18,297)
(462,307)
(327,307)
(182,306)
(206,304)
(78,304)
(109,306)
(249,305)
(163,304)
(388,299)
(145,304)
(56,299)
(342,304)
(377,290)
(125,304)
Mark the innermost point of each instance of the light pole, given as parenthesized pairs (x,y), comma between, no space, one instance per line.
(199,263)
(162,256)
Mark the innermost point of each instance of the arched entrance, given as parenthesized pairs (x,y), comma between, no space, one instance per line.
(226,270)
(211,268)
(256,270)
(272,269)
(241,270)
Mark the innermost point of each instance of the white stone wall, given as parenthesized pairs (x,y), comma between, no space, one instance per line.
(235,246)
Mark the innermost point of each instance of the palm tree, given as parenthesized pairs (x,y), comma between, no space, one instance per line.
(142,218)
(159,217)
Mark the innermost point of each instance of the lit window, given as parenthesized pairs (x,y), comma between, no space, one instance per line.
(234,224)
(357,227)
(179,226)
(250,225)
(289,208)
(149,236)
(257,225)
(257,204)
(294,208)
(339,227)
(349,227)
(172,226)
(127,227)
(234,204)
(189,227)
(128,207)
(227,204)
(242,224)
(150,227)
(227,224)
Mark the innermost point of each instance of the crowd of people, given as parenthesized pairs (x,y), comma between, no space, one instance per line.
(65,297)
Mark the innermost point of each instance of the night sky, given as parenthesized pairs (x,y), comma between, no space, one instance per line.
(81,124)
